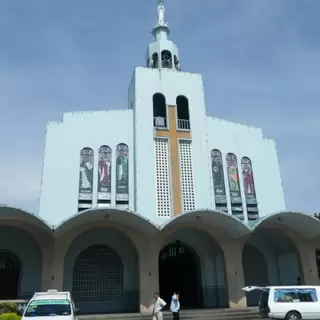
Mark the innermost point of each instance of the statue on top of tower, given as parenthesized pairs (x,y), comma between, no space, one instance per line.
(161,11)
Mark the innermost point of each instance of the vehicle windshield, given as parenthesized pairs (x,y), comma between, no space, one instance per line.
(47,308)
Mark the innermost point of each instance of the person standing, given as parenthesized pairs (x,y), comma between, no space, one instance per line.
(159,304)
(175,306)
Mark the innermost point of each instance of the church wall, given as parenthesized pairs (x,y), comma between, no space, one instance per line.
(171,84)
(64,141)
(288,268)
(25,248)
(246,141)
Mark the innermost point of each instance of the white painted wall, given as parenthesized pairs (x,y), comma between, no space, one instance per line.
(171,84)
(246,141)
(134,126)
(64,141)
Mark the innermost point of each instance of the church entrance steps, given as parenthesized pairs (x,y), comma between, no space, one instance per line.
(208,314)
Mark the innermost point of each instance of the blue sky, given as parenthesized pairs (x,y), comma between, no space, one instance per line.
(259,58)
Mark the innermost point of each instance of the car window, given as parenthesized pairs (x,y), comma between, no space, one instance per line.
(47,308)
(295,295)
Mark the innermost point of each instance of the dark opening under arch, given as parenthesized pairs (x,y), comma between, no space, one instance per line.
(10,269)
(255,272)
(159,105)
(179,269)
(183,108)
(97,276)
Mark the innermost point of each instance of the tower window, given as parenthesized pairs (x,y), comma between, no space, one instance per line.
(166,59)
(159,111)
(183,113)
(177,63)
(154,61)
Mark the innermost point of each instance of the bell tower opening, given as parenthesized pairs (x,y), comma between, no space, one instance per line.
(166,59)
(159,111)
(183,113)
(154,61)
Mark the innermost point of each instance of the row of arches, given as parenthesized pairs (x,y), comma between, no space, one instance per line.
(166,61)
(160,111)
(102,267)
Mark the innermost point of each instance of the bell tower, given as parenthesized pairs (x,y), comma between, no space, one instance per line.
(162,53)
(169,131)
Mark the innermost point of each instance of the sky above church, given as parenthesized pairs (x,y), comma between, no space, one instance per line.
(259,58)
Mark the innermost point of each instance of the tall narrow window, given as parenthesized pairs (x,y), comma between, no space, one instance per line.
(249,189)
(183,113)
(166,59)
(159,111)
(155,61)
(122,176)
(218,181)
(163,181)
(85,179)
(104,176)
(186,176)
(234,186)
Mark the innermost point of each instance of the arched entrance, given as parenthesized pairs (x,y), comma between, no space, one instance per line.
(101,268)
(9,276)
(255,271)
(179,269)
(98,275)
(269,257)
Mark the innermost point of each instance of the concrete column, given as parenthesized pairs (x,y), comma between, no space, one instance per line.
(58,265)
(47,248)
(234,271)
(308,263)
(149,276)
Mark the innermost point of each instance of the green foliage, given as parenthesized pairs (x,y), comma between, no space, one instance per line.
(9,316)
(8,307)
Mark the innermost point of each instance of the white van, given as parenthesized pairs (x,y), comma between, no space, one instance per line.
(288,302)
(50,304)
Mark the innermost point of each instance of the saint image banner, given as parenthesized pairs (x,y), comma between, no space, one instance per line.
(218,177)
(248,182)
(104,173)
(86,174)
(233,177)
(122,172)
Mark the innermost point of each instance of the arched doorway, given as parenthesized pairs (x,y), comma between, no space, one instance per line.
(9,276)
(255,271)
(97,278)
(179,269)
(269,257)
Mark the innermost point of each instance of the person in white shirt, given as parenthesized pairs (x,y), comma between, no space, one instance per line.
(158,306)
(175,306)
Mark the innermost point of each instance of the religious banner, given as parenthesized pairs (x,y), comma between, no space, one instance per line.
(122,172)
(86,174)
(247,175)
(233,177)
(218,177)
(104,173)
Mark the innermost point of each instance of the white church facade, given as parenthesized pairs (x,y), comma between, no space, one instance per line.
(156,198)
